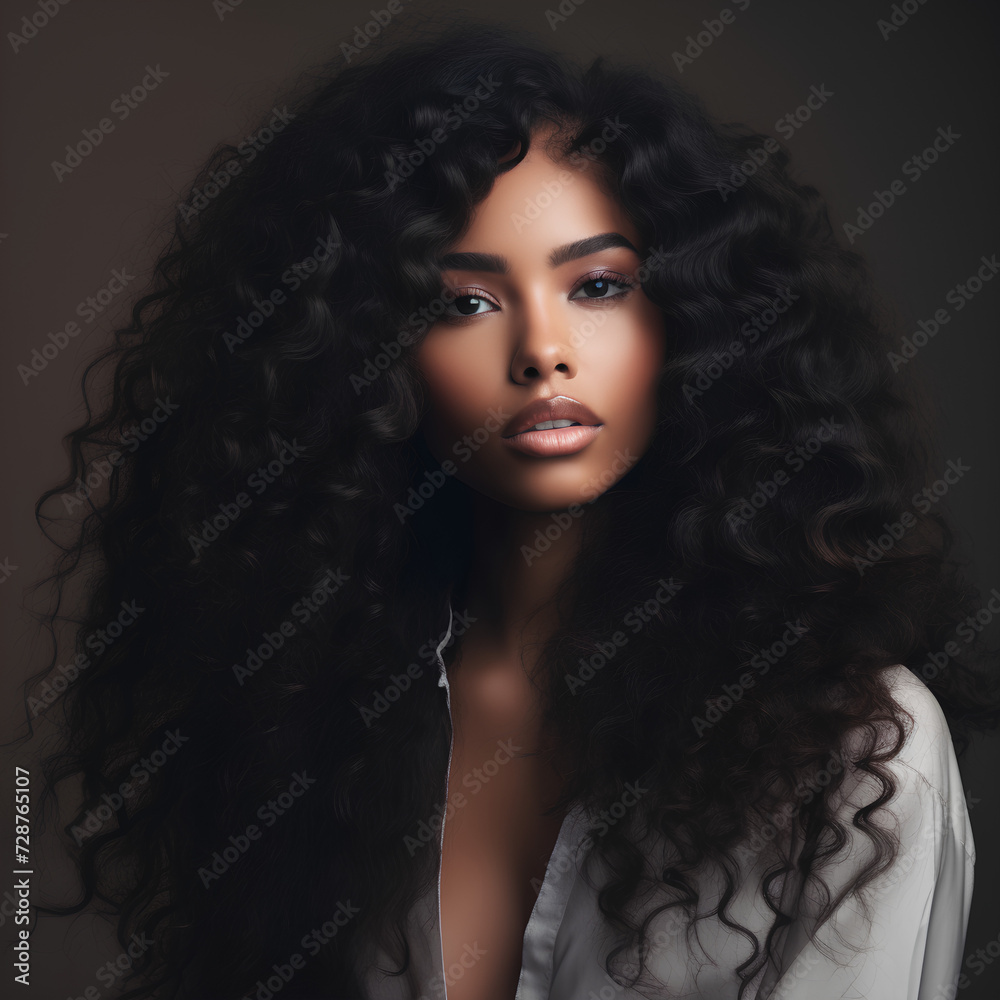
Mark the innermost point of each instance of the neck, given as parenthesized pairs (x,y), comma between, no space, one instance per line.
(520,561)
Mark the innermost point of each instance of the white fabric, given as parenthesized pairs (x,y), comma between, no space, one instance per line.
(912,950)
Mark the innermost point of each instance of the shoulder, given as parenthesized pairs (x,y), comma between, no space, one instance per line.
(928,749)
(928,795)
(898,923)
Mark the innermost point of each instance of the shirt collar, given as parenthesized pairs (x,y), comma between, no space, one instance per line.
(442,673)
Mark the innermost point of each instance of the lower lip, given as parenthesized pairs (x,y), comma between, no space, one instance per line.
(558,441)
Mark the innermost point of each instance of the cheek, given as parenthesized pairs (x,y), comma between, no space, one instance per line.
(630,363)
(460,382)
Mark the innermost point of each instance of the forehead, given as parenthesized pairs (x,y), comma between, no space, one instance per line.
(542,203)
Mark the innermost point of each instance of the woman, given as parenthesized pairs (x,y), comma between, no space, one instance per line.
(502,547)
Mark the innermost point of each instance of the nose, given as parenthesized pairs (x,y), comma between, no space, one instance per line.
(542,346)
(525,371)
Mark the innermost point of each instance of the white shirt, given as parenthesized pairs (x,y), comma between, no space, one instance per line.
(912,950)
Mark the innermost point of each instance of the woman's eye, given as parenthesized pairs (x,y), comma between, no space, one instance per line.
(601,288)
(468,305)
(604,287)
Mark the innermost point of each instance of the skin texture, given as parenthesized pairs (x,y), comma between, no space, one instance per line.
(535,335)
(538,334)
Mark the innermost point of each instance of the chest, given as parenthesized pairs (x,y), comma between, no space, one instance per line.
(497,843)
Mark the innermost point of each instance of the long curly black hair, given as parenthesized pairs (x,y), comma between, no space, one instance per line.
(252,589)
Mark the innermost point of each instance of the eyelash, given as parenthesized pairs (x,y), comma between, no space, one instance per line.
(477,293)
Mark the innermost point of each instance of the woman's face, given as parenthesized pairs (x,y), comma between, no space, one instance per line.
(546,309)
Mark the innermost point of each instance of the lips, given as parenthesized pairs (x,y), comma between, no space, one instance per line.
(567,428)
(544,410)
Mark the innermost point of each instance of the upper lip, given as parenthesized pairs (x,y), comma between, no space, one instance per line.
(556,408)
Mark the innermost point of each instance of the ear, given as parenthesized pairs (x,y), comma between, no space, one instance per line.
(512,152)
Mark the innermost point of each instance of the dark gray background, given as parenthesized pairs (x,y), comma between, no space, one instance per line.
(62,239)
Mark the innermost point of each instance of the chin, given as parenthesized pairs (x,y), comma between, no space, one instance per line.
(538,498)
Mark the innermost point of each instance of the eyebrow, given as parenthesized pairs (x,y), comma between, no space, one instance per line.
(498,264)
